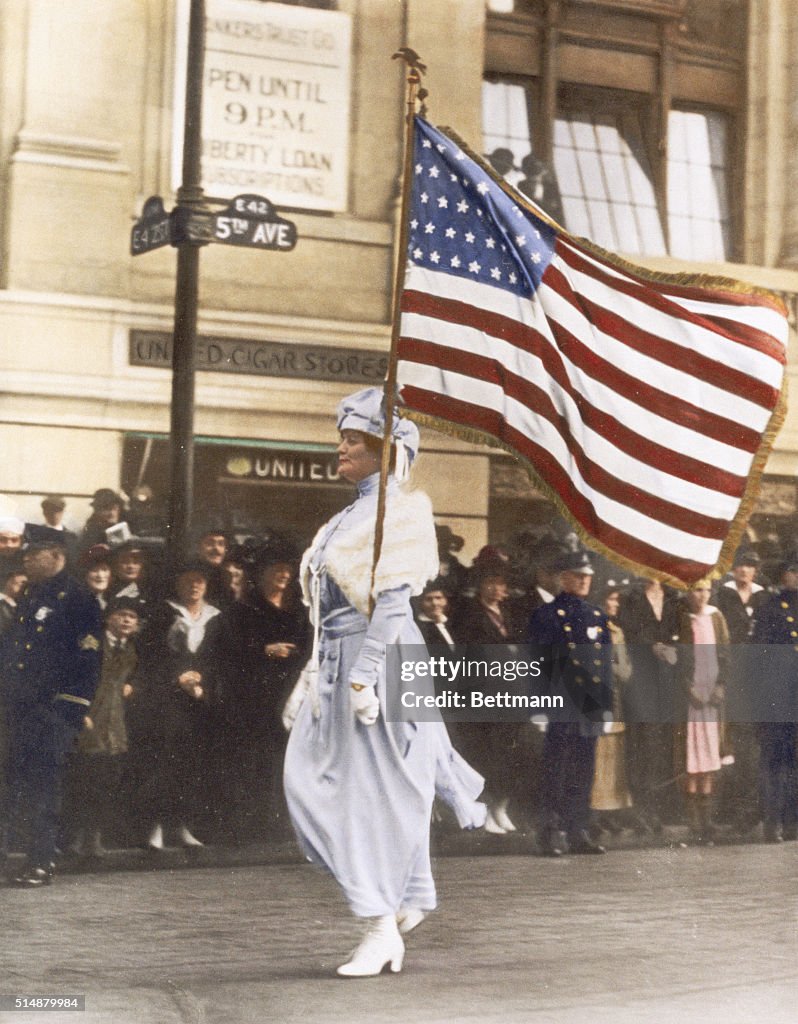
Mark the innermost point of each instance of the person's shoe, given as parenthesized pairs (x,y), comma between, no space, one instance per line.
(185,838)
(582,843)
(408,918)
(155,841)
(382,946)
(553,843)
(492,826)
(773,834)
(501,817)
(789,833)
(35,876)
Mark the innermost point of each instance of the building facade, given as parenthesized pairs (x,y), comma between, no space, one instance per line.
(664,129)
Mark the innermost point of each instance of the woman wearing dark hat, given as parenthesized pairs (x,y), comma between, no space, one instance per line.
(740,597)
(107,507)
(130,569)
(94,568)
(176,706)
(270,634)
(494,748)
(359,787)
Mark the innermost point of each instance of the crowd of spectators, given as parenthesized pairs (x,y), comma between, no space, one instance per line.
(183,741)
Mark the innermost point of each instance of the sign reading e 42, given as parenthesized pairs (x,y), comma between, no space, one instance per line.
(251,220)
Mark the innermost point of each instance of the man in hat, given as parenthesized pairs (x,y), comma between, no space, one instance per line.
(53,508)
(574,637)
(211,550)
(773,683)
(50,665)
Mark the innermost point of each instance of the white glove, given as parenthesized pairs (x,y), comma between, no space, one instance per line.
(365,704)
(540,722)
(295,699)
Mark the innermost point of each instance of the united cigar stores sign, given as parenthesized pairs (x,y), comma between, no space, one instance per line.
(264,358)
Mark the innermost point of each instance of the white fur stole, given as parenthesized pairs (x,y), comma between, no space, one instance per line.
(409,551)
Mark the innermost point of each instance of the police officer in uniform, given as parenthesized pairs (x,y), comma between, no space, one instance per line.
(773,681)
(574,637)
(49,665)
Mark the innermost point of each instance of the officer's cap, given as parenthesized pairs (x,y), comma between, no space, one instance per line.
(747,558)
(50,543)
(125,604)
(575,561)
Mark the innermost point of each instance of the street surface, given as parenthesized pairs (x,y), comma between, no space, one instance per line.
(645,936)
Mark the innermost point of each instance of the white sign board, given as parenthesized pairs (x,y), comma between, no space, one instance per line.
(275,116)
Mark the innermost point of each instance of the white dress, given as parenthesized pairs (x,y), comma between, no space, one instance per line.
(360,796)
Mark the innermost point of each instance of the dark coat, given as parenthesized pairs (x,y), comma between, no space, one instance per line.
(52,652)
(772,676)
(740,618)
(573,636)
(652,693)
(257,685)
(161,707)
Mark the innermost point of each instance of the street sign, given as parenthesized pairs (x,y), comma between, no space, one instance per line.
(152,230)
(252,221)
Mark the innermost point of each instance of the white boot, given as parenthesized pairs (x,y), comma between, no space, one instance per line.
(408,918)
(500,816)
(155,842)
(186,838)
(382,944)
(492,826)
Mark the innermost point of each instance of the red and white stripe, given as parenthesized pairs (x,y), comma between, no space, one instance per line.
(642,406)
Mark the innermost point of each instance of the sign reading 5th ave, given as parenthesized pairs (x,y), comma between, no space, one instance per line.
(252,221)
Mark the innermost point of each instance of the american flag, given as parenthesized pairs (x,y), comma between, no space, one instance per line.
(645,404)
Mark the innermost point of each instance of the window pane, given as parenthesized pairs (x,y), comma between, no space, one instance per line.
(601,231)
(592,178)
(698,189)
(602,161)
(568,174)
(615,173)
(576,218)
(506,138)
(651,230)
(678,192)
(626,228)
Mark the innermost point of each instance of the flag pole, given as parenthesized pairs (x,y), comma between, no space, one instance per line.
(415,69)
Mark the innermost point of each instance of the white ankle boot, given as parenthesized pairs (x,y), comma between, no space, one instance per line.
(408,918)
(501,817)
(155,842)
(186,838)
(492,826)
(382,944)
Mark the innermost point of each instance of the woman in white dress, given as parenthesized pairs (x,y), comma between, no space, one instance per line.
(359,787)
